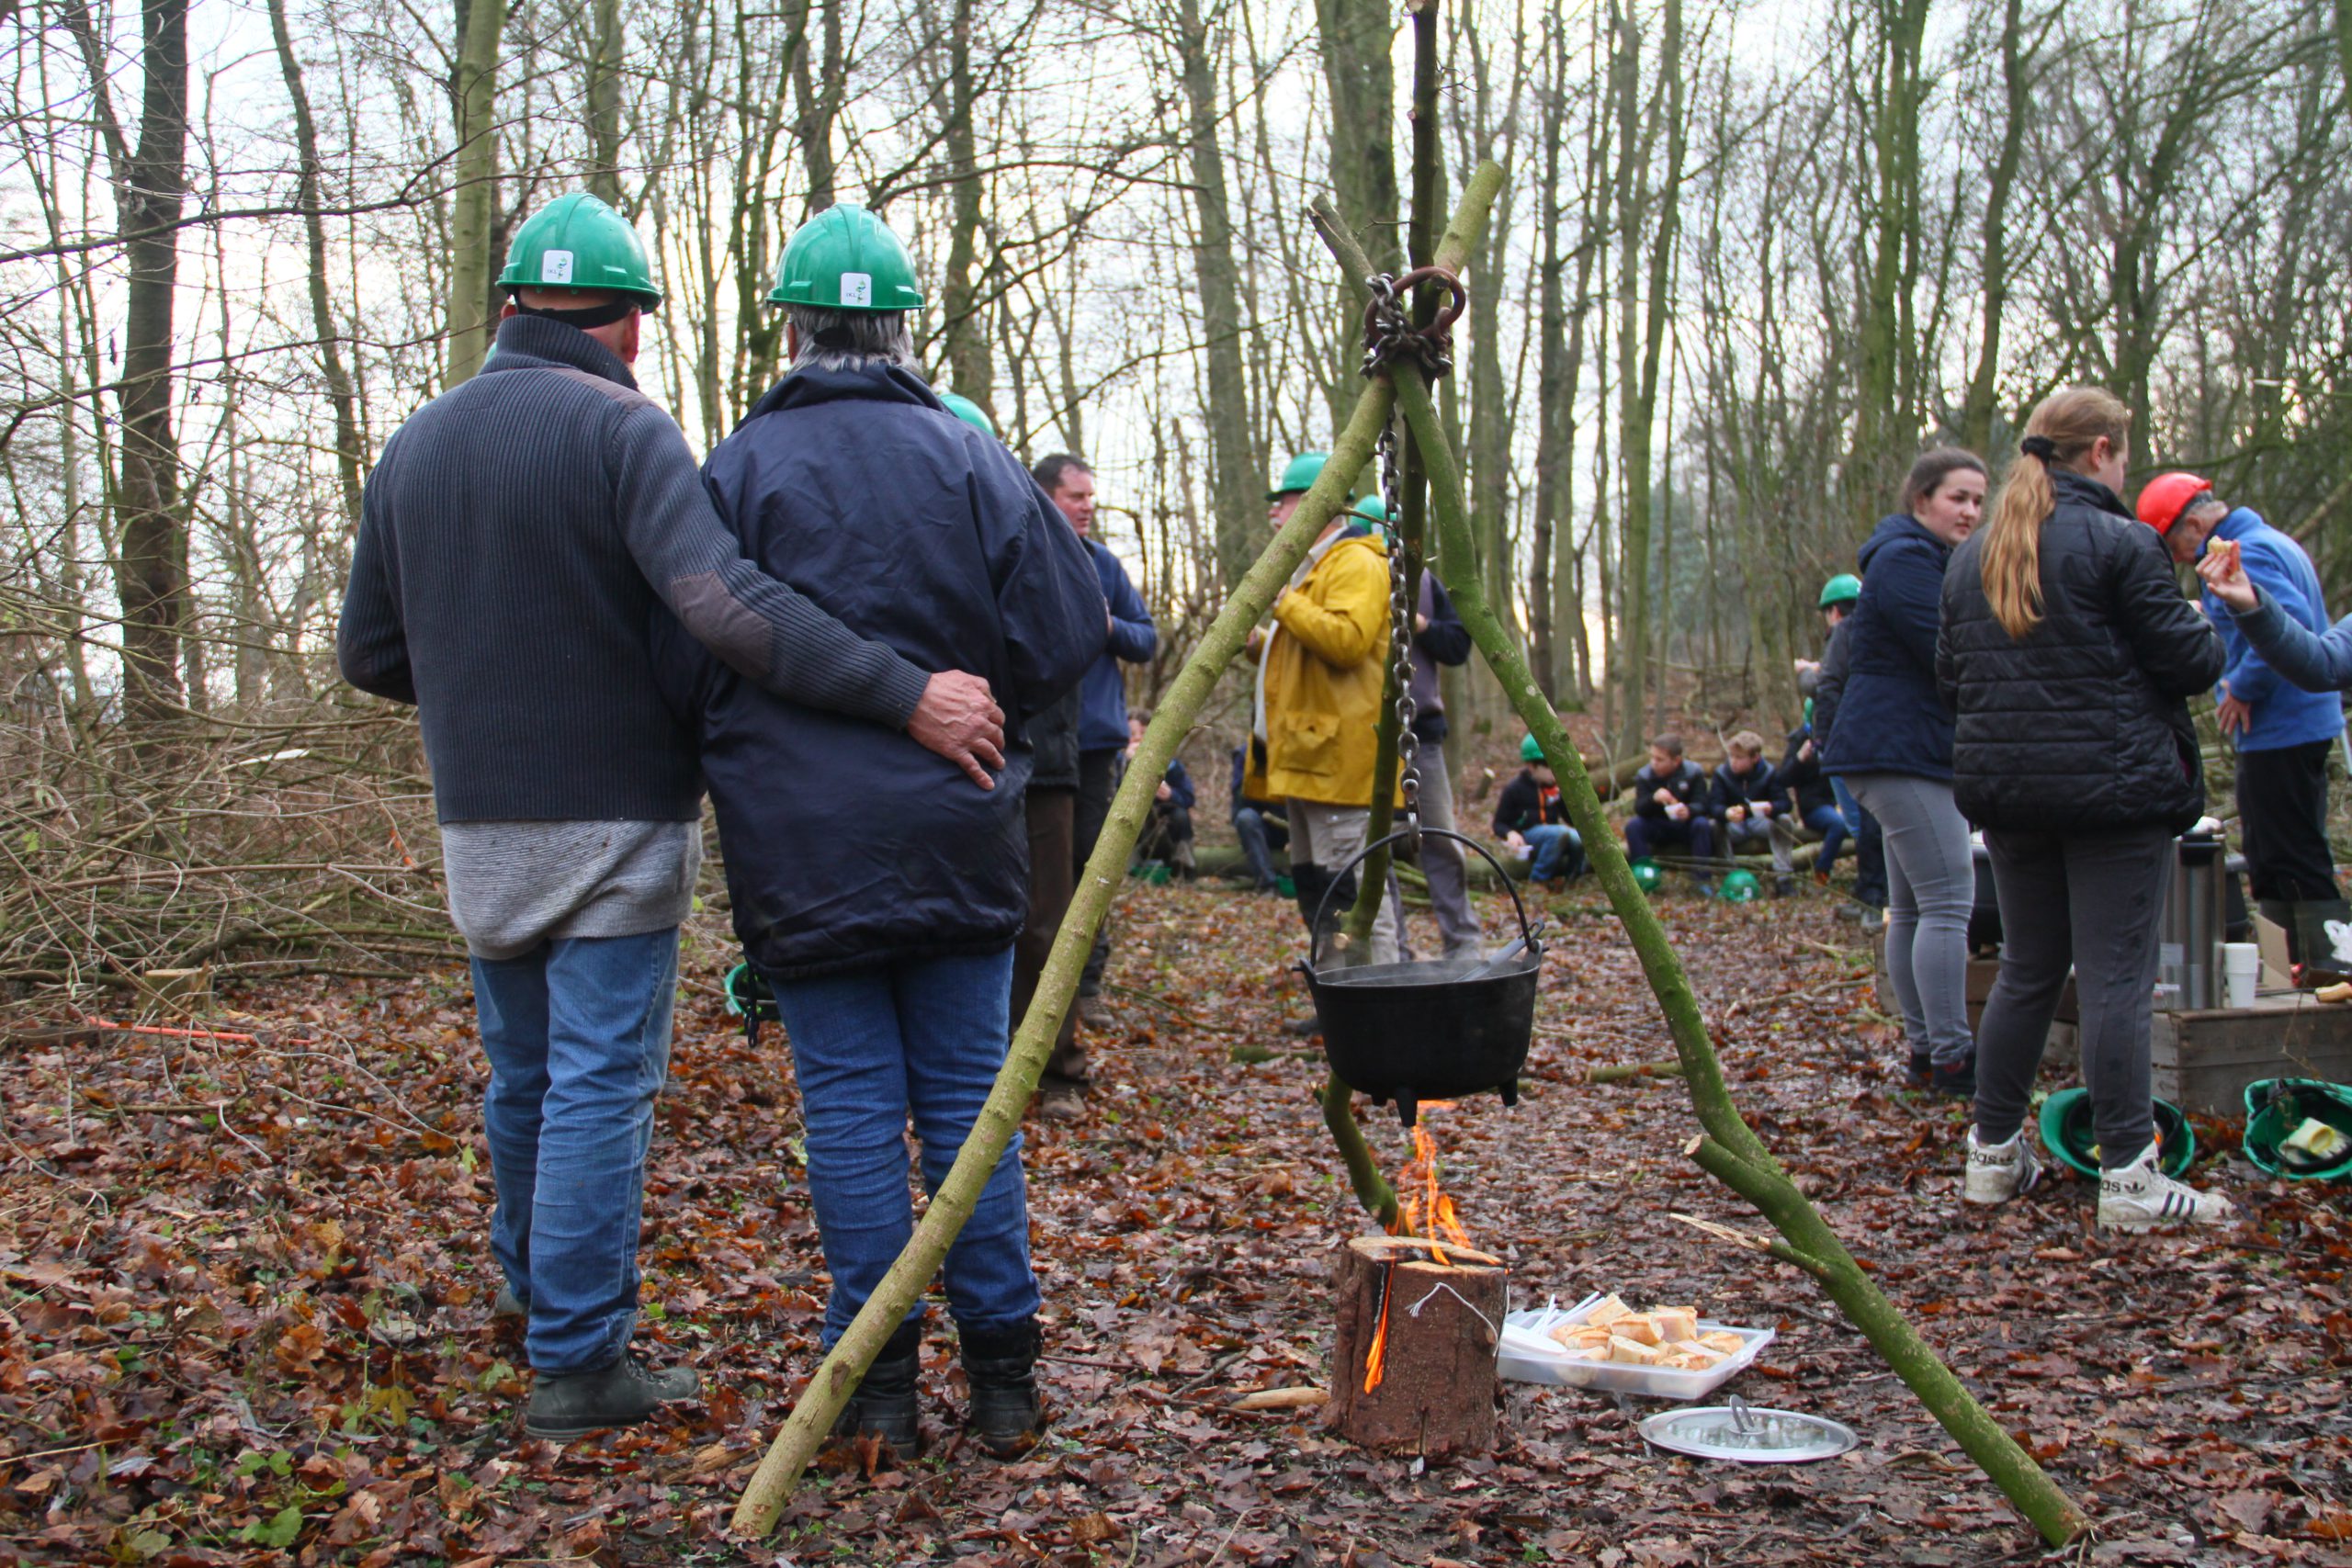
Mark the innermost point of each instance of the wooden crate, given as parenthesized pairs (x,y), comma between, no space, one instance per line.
(2204,1059)
(1982,972)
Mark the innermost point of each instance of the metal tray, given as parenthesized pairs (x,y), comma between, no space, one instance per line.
(1529,1354)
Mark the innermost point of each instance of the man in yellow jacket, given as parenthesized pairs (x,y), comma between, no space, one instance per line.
(1316,709)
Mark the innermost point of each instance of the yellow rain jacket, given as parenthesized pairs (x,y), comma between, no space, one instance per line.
(1325,668)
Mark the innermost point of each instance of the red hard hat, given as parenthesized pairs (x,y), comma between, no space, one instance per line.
(2167,497)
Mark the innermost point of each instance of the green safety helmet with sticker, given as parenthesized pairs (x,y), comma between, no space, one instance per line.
(1842,589)
(971,412)
(1740,886)
(577,242)
(2300,1128)
(846,259)
(2066,1131)
(1648,876)
(1531,750)
(1300,473)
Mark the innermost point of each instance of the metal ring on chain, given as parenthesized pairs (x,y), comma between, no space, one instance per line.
(1388,335)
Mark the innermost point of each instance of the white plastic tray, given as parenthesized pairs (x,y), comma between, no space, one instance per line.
(1530,1354)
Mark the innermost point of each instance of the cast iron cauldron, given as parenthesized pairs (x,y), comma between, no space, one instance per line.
(1414,1032)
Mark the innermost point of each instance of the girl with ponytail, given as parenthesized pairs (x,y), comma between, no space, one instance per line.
(2067,654)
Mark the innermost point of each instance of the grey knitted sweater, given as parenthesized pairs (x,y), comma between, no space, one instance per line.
(517,538)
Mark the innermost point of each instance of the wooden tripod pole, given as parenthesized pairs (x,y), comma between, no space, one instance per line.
(837,1377)
(1729,1150)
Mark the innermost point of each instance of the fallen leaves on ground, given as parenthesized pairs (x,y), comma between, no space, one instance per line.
(246,1297)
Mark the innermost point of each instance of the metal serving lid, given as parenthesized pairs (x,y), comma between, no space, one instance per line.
(1738,1430)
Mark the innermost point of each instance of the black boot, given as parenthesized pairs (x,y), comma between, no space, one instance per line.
(1001,1367)
(571,1404)
(884,1405)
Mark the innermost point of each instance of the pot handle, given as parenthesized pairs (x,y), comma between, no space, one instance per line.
(1323,905)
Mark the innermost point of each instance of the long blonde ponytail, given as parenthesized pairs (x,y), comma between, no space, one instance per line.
(2063,429)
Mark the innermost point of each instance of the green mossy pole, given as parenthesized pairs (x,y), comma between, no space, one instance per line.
(1731,1152)
(837,1377)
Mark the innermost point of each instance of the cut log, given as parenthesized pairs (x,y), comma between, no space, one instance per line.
(1435,1392)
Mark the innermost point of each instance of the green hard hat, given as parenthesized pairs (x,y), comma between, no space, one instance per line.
(2276,1107)
(748,994)
(577,242)
(971,412)
(846,259)
(2066,1131)
(1740,886)
(1842,589)
(1371,509)
(1531,750)
(1648,876)
(1299,473)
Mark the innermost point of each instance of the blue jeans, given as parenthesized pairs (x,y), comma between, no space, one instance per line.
(1261,835)
(921,1037)
(1553,844)
(1830,823)
(578,1036)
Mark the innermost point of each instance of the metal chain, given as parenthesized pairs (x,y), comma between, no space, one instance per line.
(1400,640)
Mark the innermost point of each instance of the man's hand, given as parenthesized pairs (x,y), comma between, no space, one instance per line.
(1420,622)
(1735,814)
(1763,809)
(2225,575)
(1804,753)
(1515,843)
(1255,642)
(1164,793)
(959,719)
(1807,666)
(1663,796)
(1680,813)
(2234,715)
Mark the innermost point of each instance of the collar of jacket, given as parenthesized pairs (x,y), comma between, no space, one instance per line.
(2241,520)
(2081,490)
(534,343)
(1894,526)
(868,384)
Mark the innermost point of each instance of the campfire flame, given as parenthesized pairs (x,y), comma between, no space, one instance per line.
(1423,1210)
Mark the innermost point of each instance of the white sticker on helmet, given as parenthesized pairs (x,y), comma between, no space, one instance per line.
(555,266)
(857,288)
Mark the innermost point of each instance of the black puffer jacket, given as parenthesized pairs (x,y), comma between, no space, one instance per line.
(2083,725)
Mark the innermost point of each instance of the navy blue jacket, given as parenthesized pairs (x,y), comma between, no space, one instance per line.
(1802,775)
(1103,707)
(1891,714)
(847,845)
(1180,783)
(1760,785)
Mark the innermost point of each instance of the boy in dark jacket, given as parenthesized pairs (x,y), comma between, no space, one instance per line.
(1169,835)
(1670,808)
(1532,820)
(1813,798)
(1749,802)
(1260,825)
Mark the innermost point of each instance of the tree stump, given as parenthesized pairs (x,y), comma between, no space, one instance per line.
(1435,1392)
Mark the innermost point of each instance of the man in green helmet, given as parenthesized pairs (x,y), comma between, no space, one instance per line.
(522,539)
(881,907)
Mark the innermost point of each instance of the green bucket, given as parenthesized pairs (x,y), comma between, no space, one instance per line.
(2276,1107)
(2066,1131)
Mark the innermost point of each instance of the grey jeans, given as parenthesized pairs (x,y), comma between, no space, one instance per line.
(1330,836)
(1931,884)
(1442,859)
(2091,902)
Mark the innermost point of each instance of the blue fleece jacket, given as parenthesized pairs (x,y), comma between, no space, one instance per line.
(2284,715)
(1102,704)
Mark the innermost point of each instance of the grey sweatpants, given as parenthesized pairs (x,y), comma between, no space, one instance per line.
(2090,902)
(1931,884)
(1442,859)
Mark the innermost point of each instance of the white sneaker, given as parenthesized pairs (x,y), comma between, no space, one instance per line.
(2139,1197)
(1998,1172)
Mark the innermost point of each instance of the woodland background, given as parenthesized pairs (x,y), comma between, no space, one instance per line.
(1750,258)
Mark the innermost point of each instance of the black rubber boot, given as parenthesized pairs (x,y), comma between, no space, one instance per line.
(1001,1367)
(884,1405)
(572,1404)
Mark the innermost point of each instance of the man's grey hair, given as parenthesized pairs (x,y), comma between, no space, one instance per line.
(850,340)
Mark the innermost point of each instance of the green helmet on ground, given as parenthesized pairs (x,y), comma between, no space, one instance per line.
(1740,886)
(1648,875)
(971,412)
(1300,473)
(846,259)
(1531,750)
(577,242)
(2066,1131)
(1842,589)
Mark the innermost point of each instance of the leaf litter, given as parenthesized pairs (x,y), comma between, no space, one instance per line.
(245,1297)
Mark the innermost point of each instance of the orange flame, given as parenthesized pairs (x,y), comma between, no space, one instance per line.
(1423,1210)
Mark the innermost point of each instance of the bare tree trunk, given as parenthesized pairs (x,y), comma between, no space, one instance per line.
(314,235)
(466,320)
(1241,529)
(1898,28)
(970,363)
(603,102)
(151,571)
